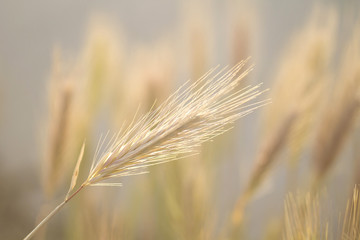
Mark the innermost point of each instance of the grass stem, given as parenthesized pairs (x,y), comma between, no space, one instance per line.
(51,214)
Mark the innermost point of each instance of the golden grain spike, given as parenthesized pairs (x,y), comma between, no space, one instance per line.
(193,115)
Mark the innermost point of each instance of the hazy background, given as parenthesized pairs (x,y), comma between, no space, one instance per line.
(30,30)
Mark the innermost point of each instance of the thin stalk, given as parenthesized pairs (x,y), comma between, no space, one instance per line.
(56,210)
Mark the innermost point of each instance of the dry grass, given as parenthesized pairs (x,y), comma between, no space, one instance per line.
(351,224)
(192,115)
(296,95)
(341,111)
(302,219)
(61,100)
(232,188)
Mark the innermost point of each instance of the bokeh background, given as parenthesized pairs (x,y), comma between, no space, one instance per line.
(71,70)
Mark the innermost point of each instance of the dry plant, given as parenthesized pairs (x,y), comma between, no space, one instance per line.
(148,77)
(296,95)
(184,191)
(242,26)
(78,88)
(310,116)
(61,99)
(188,199)
(302,219)
(96,71)
(55,162)
(265,159)
(300,78)
(192,115)
(351,224)
(199,35)
(100,62)
(341,111)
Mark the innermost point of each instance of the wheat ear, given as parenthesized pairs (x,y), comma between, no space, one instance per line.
(192,115)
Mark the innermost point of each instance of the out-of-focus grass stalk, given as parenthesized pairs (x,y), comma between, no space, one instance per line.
(199,35)
(264,160)
(97,73)
(61,96)
(340,113)
(296,95)
(61,99)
